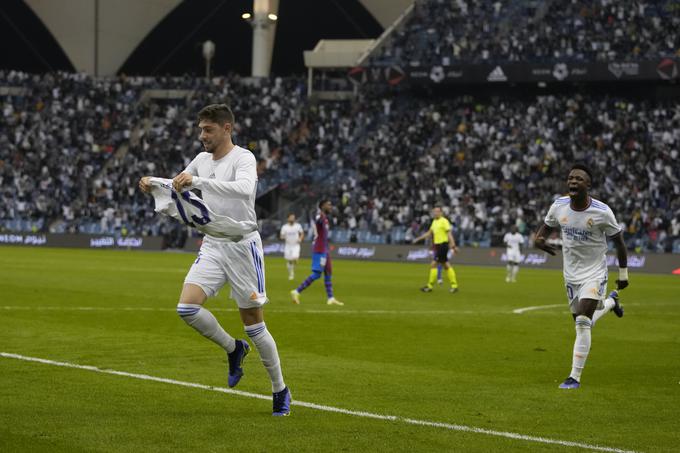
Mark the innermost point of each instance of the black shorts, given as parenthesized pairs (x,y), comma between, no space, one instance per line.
(441,252)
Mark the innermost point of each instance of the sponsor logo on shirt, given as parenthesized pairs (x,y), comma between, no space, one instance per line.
(576,234)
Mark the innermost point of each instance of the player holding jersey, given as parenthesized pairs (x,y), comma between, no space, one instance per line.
(226,175)
(321,257)
(585,224)
(292,234)
(513,241)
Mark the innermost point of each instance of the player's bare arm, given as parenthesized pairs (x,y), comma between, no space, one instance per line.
(302,236)
(540,242)
(452,243)
(182,181)
(622,255)
(145,184)
(422,236)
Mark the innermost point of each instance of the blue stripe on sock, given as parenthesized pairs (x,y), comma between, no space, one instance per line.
(255,332)
(187,311)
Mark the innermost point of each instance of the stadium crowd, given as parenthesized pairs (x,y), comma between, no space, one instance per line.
(72,149)
(448,32)
(497,161)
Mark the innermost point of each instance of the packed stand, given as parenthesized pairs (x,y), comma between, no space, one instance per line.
(450,32)
(384,159)
(493,163)
(294,141)
(56,131)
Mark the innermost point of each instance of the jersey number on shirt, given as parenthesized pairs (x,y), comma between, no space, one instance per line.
(203,220)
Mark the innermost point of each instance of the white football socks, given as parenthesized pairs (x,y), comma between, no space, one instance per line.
(266,346)
(515,270)
(291,270)
(581,346)
(206,324)
(608,305)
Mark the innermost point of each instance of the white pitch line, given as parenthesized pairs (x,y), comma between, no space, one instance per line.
(519,311)
(321,407)
(272,309)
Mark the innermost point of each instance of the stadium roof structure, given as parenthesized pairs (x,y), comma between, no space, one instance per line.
(105,37)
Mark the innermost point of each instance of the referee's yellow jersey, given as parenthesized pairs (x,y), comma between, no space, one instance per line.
(440,230)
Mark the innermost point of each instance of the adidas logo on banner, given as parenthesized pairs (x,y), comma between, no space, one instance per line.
(497,75)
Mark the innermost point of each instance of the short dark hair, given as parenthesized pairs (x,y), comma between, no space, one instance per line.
(323,202)
(217,113)
(583,167)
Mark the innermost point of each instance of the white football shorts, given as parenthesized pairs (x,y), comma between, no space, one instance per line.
(291,252)
(514,256)
(241,264)
(591,289)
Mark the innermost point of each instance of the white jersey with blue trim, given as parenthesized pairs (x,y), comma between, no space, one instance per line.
(191,210)
(228,185)
(584,238)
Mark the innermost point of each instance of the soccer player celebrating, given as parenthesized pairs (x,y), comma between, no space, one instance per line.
(321,258)
(292,234)
(225,174)
(585,224)
(513,241)
(440,230)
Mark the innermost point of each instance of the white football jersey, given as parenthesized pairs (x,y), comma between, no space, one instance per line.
(227,185)
(584,238)
(291,233)
(194,212)
(513,241)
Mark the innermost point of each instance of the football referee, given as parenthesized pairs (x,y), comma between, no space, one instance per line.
(440,230)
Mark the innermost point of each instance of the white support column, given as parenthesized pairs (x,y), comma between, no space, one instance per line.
(264,31)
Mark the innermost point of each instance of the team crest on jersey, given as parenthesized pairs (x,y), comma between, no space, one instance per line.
(590,223)
(564,220)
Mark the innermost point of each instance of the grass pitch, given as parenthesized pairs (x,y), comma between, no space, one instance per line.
(462,359)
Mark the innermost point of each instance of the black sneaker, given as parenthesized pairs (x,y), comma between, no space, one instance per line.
(281,403)
(617,309)
(426,289)
(570,383)
(236,362)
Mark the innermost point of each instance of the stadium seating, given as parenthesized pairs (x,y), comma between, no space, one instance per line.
(384,159)
(453,32)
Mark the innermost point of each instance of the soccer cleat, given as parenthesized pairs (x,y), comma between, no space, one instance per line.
(453,290)
(334,301)
(440,282)
(236,362)
(426,289)
(570,383)
(507,279)
(295,295)
(281,404)
(617,309)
